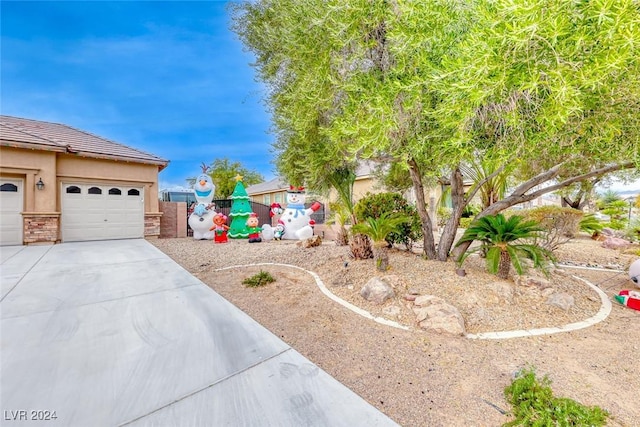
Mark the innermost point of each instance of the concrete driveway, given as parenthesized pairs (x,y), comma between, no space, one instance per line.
(115,333)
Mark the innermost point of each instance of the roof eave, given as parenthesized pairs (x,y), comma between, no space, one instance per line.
(32,146)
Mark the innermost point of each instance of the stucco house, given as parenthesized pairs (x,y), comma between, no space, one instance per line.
(275,191)
(58,183)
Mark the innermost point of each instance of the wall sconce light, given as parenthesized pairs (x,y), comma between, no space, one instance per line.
(40,184)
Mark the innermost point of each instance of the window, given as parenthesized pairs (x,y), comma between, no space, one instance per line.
(115,191)
(266,199)
(95,190)
(278,198)
(9,187)
(133,192)
(73,190)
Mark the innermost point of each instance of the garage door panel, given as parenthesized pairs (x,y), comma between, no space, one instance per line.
(107,215)
(11,205)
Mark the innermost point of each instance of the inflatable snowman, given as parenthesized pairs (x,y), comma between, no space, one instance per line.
(202,217)
(296,220)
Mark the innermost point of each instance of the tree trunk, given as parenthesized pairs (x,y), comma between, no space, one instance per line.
(381,256)
(429,244)
(451,227)
(505,265)
(342,237)
(360,246)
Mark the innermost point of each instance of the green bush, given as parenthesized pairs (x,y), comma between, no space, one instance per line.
(590,224)
(377,205)
(471,211)
(559,224)
(261,279)
(465,222)
(534,405)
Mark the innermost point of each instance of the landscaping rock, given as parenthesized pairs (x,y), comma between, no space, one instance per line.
(615,243)
(377,290)
(409,297)
(562,300)
(434,314)
(393,280)
(310,242)
(606,231)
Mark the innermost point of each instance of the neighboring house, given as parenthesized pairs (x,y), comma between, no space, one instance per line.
(275,191)
(64,184)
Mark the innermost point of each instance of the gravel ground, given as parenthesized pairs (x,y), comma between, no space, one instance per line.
(420,378)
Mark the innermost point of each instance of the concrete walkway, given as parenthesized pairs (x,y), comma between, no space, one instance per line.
(115,333)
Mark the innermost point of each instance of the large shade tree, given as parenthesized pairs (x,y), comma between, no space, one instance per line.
(432,85)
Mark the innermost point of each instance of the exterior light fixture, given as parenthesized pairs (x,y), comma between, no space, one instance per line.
(40,184)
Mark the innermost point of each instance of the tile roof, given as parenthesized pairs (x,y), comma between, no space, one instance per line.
(267,187)
(58,137)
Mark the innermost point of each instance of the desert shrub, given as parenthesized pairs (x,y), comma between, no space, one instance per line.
(377,205)
(465,222)
(534,404)
(559,224)
(257,280)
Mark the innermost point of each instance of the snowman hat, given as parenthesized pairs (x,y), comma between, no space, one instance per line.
(293,189)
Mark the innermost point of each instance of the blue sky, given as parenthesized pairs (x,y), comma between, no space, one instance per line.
(165,77)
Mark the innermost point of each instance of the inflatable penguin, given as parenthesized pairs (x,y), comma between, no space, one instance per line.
(202,217)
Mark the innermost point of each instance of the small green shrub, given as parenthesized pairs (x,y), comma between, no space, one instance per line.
(378,205)
(471,211)
(534,405)
(257,280)
(465,222)
(590,224)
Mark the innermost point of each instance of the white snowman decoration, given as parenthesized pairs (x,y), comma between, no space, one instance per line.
(296,220)
(201,220)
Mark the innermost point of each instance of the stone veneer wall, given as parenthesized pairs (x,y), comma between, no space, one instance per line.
(40,228)
(152,224)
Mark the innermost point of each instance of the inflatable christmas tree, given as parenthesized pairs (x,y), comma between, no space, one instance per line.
(240,211)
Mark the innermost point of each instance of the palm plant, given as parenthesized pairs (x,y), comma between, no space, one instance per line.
(502,239)
(340,216)
(377,229)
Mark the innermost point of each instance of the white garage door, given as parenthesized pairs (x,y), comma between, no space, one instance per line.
(101,212)
(11,202)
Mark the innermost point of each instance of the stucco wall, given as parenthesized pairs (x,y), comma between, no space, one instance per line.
(72,167)
(31,165)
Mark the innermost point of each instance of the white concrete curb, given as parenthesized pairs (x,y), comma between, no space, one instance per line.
(328,293)
(603,313)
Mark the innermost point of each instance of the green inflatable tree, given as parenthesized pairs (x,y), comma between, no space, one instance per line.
(240,211)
